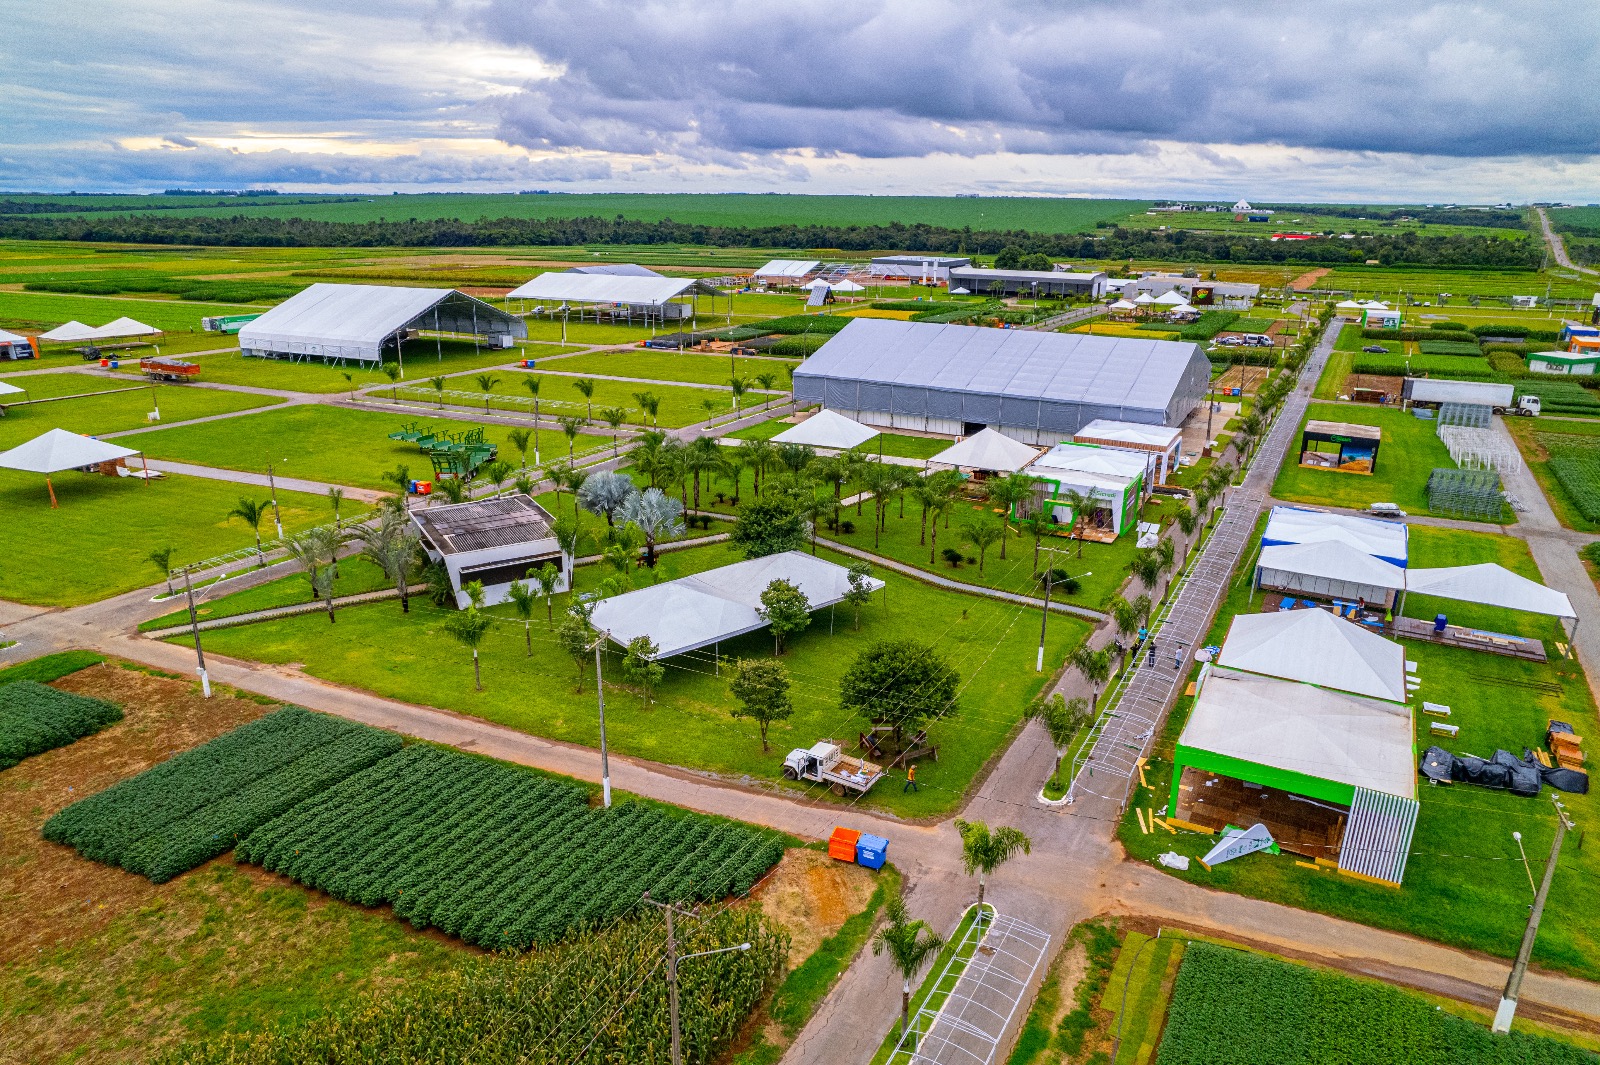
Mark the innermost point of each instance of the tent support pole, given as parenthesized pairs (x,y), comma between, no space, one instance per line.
(144,460)
(52,490)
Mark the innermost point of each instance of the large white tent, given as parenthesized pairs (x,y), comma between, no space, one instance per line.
(1491,585)
(829,429)
(1329,569)
(1315,647)
(572,287)
(988,450)
(363,322)
(121,327)
(1172,299)
(59,450)
(787,269)
(719,604)
(1297,525)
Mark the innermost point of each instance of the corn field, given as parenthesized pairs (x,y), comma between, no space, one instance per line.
(593,999)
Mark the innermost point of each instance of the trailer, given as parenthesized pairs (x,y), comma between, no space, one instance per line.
(827,764)
(169,369)
(1429,392)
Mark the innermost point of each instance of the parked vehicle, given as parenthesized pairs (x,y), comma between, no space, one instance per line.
(1386,510)
(827,764)
(1431,392)
(1257,340)
(1375,349)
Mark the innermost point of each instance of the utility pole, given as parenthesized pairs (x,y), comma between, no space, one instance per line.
(672,967)
(1049,571)
(194,625)
(273,484)
(605,763)
(1508,999)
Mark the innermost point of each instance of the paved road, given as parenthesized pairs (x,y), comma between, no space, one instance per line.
(1558,247)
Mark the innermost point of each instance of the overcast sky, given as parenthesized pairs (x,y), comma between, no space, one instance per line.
(1336,100)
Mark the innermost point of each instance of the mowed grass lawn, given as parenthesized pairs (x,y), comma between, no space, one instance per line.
(689,367)
(97,415)
(51,385)
(356,575)
(95,544)
(991,645)
(559,398)
(1409,451)
(50,309)
(334,444)
(1464,884)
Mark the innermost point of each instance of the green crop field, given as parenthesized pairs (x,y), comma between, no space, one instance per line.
(559,398)
(334,445)
(35,718)
(46,310)
(1233,1007)
(1044,214)
(1394,283)
(990,644)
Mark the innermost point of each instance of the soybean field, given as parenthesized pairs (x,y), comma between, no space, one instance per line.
(35,718)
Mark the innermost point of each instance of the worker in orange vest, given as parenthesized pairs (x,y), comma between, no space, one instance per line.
(911,778)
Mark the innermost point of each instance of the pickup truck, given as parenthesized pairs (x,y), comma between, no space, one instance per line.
(827,764)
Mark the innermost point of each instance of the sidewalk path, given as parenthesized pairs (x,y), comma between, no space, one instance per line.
(260,480)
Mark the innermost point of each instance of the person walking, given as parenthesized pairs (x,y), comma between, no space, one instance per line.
(911,779)
(1150,654)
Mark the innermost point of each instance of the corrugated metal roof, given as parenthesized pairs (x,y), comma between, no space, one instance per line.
(353,321)
(500,522)
(990,274)
(607,288)
(1066,367)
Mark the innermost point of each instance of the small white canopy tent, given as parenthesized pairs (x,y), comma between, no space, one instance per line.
(719,604)
(1329,569)
(961,292)
(1490,585)
(1315,647)
(844,284)
(73,330)
(59,450)
(988,450)
(1124,305)
(1184,308)
(7,389)
(1350,305)
(124,327)
(1174,298)
(828,429)
(1144,299)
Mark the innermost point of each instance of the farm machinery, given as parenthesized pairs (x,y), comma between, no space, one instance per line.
(459,454)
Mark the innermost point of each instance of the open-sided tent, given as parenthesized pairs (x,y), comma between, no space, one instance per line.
(1491,585)
(650,296)
(1173,298)
(364,322)
(828,429)
(787,269)
(719,604)
(1144,299)
(616,270)
(1387,540)
(59,450)
(988,450)
(124,327)
(8,389)
(68,332)
(1124,305)
(1317,648)
(1329,569)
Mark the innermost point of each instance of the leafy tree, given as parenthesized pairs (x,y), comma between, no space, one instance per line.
(251,513)
(548,578)
(469,627)
(656,515)
(769,525)
(391,543)
(1036,261)
(786,610)
(585,388)
(640,666)
(983,850)
(982,531)
(859,593)
(910,944)
(161,558)
(760,688)
(570,428)
(577,639)
(899,683)
(523,600)
(519,438)
(486,383)
(1009,258)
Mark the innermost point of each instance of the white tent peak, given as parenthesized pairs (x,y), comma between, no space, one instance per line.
(1315,647)
(1172,298)
(1334,560)
(989,449)
(1124,305)
(59,450)
(1492,585)
(827,428)
(1144,299)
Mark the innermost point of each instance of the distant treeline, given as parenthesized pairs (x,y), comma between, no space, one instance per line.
(84,204)
(1400,249)
(1442,216)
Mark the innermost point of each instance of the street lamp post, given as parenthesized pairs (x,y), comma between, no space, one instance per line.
(194,625)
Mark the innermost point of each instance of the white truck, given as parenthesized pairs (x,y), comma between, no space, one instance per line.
(827,764)
(1431,392)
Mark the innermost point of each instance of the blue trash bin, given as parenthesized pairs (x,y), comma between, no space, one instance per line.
(1438,623)
(872,851)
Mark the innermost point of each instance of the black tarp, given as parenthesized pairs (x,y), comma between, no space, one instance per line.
(1520,776)
(1571,780)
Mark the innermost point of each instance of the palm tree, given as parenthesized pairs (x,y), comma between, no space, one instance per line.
(251,513)
(1062,719)
(647,458)
(392,372)
(454,489)
(879,479)
(656,515)
(767,380)
(1095,667)
(161,558)
(605,493)
(1038,526)
(391,544)
(523,600)
(469,626)
(982,531)
(738,386)
(1146,566)
(1079,503)
(942,503)
(911,945)
(571,427)
(585,387)
(400,477)
(316,550)
(531,383)
(812,507)
(702,456)
(1010,492)
(650,405)
(497,473)
(336,499)
(759,455)
(438,384)
(518,439)
(486,383)
(983,850)
(1187,519)
(614,417)
(350,379)
(548,578)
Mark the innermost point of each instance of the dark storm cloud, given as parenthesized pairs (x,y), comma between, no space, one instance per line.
(906,79)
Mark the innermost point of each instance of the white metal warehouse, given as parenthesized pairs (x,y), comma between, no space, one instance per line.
(1036,387)
(366,323)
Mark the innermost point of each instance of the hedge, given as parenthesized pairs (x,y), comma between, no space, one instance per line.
(1559,397)
(963,313)
(796,345)
(1450,367)
(1448,347)
(1420,334)
(1243,356)
(1453,326)
(35,718)
(1547,335)
(1208,325)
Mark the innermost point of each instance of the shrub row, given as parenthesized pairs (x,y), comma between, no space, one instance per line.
(1448,347)
(822,324)
(964,313)
(235,291)
(194,806)
(1208,325)
(1230,1007)
(1559,397)
(1453,367)
(1242,357)
(1515,331)
(499,856)
(35,718)
(800,346)
(1461,336)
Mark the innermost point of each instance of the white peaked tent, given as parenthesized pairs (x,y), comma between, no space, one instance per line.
(10,389)
(1174,298)
(844,284)
(1329,569)
(1144,299)
(60,450)
(961,292)
(827,428)
(1315,647)
(1184,308)
(719,604)
(11,338)
(1491,585)
(73,330)
(124,327)
(988,450)
(1350,305)
(1124,305)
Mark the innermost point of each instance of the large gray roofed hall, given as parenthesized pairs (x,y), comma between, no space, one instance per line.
(1006,377)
